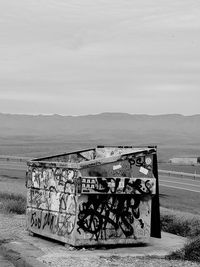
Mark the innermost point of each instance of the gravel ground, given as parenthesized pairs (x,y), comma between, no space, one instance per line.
(114,260)
(13,227)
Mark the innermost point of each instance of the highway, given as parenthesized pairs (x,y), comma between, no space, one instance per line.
(187,184)
(11,168)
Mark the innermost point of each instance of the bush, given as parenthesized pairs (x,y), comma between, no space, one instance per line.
(179,225)
(13,203)
(186,225)
(190,252)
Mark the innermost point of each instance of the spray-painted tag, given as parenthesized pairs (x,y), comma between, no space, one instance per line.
(116,167)
(143,170)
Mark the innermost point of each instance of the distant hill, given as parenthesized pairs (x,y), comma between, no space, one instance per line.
(35,135)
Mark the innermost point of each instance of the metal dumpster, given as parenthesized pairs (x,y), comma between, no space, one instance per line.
(104,195)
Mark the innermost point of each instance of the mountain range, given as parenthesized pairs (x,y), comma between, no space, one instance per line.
(38,135)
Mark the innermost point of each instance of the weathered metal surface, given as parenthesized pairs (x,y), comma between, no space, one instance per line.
(94,220)
(106,200)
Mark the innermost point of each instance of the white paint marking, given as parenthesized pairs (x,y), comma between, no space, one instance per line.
(179,178)
(179,183)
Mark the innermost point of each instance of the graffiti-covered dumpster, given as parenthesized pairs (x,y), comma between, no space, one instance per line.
(104,195)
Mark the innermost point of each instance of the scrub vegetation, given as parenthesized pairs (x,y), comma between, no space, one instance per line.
(186,225)
(12,203)
(190,252)
(180,223)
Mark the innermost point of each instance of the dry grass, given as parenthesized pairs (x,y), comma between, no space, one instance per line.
(190,252)
(12,203)
(12,195)
(183,224)
(180,223)
(16,186)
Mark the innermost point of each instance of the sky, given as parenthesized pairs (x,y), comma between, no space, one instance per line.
(75,57)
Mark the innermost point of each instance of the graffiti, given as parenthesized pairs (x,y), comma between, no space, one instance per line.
(140,161)
(58,223)
(37,198)
(101,199)
(126,166)
(118,185)
(50,200)
(53,179)
(110,217)
(36,220)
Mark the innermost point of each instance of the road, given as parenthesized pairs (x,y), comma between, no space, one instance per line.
(18,169)
(6,165)
(12,169)
(181,183)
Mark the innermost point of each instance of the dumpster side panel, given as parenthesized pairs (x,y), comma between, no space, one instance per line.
(126,217)
(51,202)
(56,225)
(112,219)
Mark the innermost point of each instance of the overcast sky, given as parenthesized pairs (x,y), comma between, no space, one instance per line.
(75,57)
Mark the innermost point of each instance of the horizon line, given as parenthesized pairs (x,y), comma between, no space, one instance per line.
(96,114)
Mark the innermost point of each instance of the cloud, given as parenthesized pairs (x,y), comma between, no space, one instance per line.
(101,55)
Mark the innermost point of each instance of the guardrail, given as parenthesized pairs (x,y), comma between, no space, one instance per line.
(14,159)
(166,172)
(182,174)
